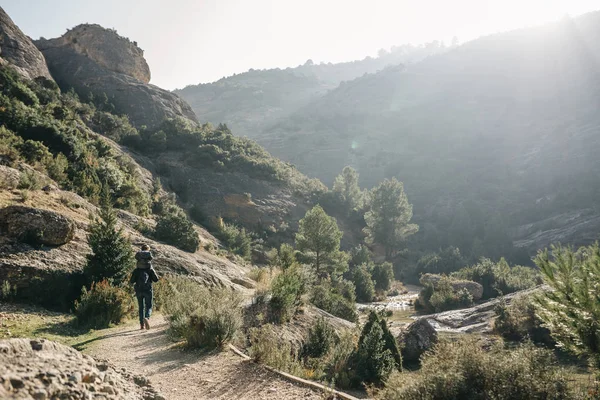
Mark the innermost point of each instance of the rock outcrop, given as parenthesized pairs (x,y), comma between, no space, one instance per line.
(18,50)
(474,288)
(418,338)
(30,224)
(40,369)
(107,49)
(91,59)
(477,319)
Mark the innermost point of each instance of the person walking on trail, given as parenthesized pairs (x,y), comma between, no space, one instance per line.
(142,278)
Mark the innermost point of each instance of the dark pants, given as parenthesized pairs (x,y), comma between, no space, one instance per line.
(145,305)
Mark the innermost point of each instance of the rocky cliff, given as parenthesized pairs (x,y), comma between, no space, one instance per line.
(18,50)
(91,59)
(106,48)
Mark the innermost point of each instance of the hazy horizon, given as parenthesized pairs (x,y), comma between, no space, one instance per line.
(193,42)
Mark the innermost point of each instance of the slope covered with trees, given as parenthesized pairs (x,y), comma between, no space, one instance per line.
(252,101)
(496,141)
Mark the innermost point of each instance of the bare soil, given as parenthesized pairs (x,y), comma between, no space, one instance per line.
(179,373)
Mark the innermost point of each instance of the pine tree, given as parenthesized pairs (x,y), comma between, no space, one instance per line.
(319,238)
(389,216)
(571,310)
(347,190)
(112,255)
(377,354)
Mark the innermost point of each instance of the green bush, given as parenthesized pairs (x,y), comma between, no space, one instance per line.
(463,370)
(286,291)
(217,323)
(204,318)
(321,337)
(29,181)
(383,276)
(442,297)
(173,227)
(443,262)
(324,297)
(377,354)
(365,289)
(236,239)
(499,278)
(266,348)
(103,305)
(518,321)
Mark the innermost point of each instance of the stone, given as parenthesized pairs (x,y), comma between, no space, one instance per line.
(90,58)
(24,371)
(418,338)
(18,50)
(39,394)
(33,224)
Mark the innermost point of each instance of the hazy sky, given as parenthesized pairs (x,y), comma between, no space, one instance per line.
(193,41)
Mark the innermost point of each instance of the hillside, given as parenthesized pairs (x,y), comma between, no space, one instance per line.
(251,101)
(496,140)
(212,171)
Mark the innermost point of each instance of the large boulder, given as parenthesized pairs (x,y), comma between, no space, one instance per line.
(18,50)
(474,288)
(33,224)
(91,59)
(418,338)
(40,369)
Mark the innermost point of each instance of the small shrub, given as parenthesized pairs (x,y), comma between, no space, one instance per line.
(173,227)
(29,181)
(365,289)
(383,276)
(442,297)
(217,323)
(7,291)
(463,370)
(103,305)
(499,278)
(287,289)
(320,339)
(518,321)
(265,348)
(236,239)
(204,318)
(325,298)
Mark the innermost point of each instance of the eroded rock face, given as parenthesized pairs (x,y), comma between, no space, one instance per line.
(41,369)
(18,50)
(418,338)
(106,48)
(32,224)
(91,59)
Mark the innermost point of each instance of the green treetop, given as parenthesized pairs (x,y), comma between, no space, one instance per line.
(319,238)
(389,216)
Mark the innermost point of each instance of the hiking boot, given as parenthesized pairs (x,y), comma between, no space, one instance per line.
(146,323)
(141,327)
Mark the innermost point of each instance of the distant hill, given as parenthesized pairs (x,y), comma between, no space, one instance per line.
(497,141)
(251,101)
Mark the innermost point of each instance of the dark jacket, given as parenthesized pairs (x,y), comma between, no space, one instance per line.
(144,259)
(134,279)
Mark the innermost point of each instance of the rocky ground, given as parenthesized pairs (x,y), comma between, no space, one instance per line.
(40,369)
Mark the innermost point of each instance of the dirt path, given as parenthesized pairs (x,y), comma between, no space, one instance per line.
(181,374)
